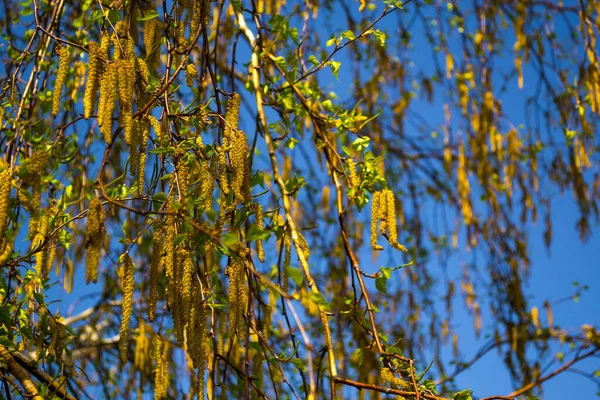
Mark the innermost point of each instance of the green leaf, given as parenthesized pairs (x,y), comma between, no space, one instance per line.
(149,15)
(255,233)
(296,275)
(335,68)
(361,143)
(237,5)
(291,143)
(319,300)
(387,272)
(381,284)
(348,35)
(380,36)
(280,61)
(313,60)
(299,363)
(463,395)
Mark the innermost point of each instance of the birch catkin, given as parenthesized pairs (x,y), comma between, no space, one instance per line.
(93,78)
(127,287)
(5,186)
(94,236)
(63,67)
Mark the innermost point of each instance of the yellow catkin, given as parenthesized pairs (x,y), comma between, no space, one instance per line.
(149,35)
(223,178)
(93,78)
(157,248)
(140,359)
(157,129)
(183,178)
(144,135)
(463,185)
(383,211)
(39,245)
(61,74)
(161,372)
(196,336)
(169,255)
(185,259)
(94,236)
(375,217)
(354,179)
(69,274)
(191,75)
(391,220)
(179,311)
(260,223)
(126,74)
(5,186)
(196,19)
(237,295)
(106,102)
(395,383)
(208,182)
(127,287)
(206,11)
(238,154)
(5,250)
(303,245)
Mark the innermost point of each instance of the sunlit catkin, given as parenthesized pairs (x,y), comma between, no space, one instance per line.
(463,185)
(375,218)
(237,295)
(149,35)
(191,75)
(196,336)
(94,236)
(144,135)
(161,372)
(127,287)
(39,245)
(383,211)
(390,218)
(157,129)
(107,101)
(5,186)
(260,223)
(126,74)
(155,260)
(93,78)
(61,74)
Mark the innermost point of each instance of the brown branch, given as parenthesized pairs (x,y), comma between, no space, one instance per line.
(382,389)
(56,387)
(20,373)
(552,374)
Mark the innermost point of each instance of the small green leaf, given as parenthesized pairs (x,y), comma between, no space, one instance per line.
(255,233)
(313,60)
(348,35)
(335,68)
(149,15)
(387,272)
(299,363)
(296,275)
(463,395)
(381,284)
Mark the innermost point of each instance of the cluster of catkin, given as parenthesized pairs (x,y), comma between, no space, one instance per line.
(383,212)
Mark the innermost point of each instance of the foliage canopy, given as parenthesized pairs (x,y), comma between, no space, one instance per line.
(223,174)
